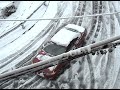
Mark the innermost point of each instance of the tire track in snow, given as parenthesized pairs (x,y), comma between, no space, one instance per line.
(102,62)
(112,65)
(94,20)
(76,13)
(14,28)
(117,15)
(11,56)
(52,33)
(96,26)
(38,81)
(25,30)
(96,8)
(52,30)
(75,21)
(100,66)
(117,83)
(92,78)
(46,32)
(79,22)
(80,11)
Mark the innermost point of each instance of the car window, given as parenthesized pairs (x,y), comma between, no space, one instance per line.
(71,29)
(54,49)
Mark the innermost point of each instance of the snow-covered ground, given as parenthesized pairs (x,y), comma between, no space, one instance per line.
(90,71)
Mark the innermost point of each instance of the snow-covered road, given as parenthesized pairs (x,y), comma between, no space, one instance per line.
(90,71)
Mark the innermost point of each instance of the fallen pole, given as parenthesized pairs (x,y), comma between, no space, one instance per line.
(56,59)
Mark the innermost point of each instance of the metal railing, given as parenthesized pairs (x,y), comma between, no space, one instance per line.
(59,58)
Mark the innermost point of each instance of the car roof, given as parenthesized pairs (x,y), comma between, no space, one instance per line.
(76,27)
(64,37)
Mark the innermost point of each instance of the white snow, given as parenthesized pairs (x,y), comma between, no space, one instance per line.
(23,11)
(25,39)
(4,4)
(30,35)
(64,37)
(19,31)
(104,69)
(43,57)
(41,74)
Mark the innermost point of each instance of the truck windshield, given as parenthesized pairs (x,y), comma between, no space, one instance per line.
(54,49)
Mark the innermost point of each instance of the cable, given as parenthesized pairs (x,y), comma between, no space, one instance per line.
(60,17)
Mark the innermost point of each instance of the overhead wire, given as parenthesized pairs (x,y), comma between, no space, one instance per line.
(93,15)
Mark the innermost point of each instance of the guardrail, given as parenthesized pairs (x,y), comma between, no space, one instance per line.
(54,60)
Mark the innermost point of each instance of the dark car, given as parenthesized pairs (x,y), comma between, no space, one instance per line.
(7,8)
(63,41)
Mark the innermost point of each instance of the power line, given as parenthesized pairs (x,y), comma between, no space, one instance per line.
(60,17)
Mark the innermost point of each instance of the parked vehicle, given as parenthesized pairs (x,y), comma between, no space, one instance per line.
(7,8)
(63,41)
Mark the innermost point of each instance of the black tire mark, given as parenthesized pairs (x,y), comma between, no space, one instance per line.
(92,86)
(20,23)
